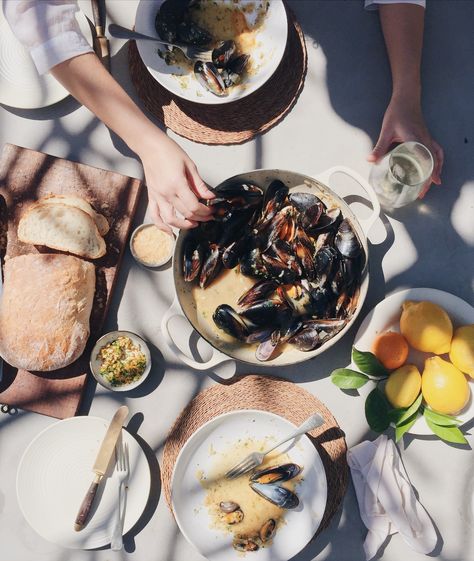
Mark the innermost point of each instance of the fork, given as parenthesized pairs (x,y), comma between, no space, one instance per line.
(256,458)
(191,52)
(122,467)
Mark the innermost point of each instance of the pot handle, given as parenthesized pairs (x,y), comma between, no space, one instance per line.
(366,224)
(216,358)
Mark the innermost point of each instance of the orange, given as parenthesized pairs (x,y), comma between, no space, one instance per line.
(391,349)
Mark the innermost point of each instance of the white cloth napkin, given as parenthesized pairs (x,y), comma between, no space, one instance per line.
(387,502)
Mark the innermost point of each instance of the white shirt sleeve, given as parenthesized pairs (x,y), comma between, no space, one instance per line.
(48,29)
(372,4)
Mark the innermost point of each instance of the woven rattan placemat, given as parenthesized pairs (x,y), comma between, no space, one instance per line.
(235,122)
(267,394)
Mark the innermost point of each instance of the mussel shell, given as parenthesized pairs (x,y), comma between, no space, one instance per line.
(285,472)
(169,16)
(191,34)
(257,292)
(244,544)
(192,258)
(222,53)
(329,219)
(228,506)
(266,313)
(347,241)
(267,531)
(267,348)
(232,74)
(211,266)
(315,333)
(209,78)
(279,496)
(227,319)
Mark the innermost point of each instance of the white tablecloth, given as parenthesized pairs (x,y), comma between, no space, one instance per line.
(335,121)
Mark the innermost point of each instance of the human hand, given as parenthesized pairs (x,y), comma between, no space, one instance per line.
(403,121)
(174,184)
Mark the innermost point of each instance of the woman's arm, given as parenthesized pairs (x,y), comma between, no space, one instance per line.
(402,26)
(172,178)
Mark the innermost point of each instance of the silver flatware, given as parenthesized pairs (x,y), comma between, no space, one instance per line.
(191,52)
(122,467)
(256,458)
(101,464)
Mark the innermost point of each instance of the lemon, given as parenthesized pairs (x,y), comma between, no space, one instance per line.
(444,387)
(426,327)
(461,353)
(403,386)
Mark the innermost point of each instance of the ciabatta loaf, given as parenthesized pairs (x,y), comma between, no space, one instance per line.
(79,202)
(62,227)
(45,310)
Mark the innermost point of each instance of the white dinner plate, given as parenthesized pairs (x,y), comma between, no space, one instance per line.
(188,495)
(270,47)
(20,84)
(386,317)
(55,472)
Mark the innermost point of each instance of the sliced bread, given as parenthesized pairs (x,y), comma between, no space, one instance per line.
(62,227)
(79,202)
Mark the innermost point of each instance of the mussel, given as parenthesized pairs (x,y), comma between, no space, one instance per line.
(234,517)
(316,332)
(273,474)
(309,207)
(257,292)
(232,73)
(192,258)
(227,319)
(267,531)
(245,544)
(169,16)
(191,34)
(328,220)
(222,53)
(279,496)
(228,506)
(347,241)
(267,348)
(271,311)
(211,266)
(209,78)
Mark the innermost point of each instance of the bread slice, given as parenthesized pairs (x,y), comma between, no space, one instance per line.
(45,310)
(71,200)
(62,227)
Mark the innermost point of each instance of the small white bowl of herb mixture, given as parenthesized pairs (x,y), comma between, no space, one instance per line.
(120,361)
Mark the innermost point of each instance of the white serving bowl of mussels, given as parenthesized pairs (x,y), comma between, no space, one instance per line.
(279,276)
(247,38)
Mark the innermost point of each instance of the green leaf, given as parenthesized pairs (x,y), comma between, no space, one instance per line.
(347,379)
(404,427)
(368,363)
(440,419)
(399,416)
(376,411)
(449,434)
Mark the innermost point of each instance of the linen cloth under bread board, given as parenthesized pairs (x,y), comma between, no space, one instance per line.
(25,176)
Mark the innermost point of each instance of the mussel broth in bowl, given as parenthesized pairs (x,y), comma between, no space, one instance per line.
(247,39)
(279,275)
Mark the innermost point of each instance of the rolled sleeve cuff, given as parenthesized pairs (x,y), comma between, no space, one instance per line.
(58,49)
(373,4)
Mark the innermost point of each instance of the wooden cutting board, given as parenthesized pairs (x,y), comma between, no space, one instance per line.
(25,176)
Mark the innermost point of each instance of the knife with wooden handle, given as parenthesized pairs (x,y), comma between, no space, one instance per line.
(101,463)
(101,41)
